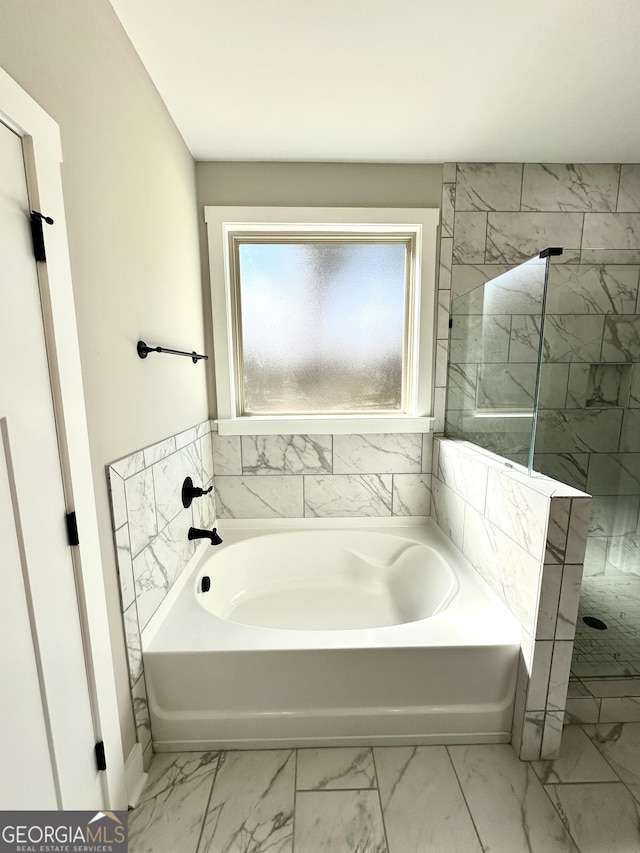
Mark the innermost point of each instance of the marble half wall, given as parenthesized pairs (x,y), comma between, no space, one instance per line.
(150,530)
(526,537)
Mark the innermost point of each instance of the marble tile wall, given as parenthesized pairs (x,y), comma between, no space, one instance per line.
(526,537)
(496,215)
(150,531)
(322,476)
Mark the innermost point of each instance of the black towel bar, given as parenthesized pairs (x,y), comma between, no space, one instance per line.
(144,350)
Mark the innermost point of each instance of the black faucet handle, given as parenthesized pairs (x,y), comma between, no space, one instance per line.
(189,492)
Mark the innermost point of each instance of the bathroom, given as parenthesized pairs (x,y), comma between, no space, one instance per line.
(155,233)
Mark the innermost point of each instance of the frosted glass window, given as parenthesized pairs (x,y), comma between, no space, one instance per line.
(322,326)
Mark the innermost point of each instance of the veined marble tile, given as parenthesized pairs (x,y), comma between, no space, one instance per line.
(518,511)
(442,315)
(559,677)
(448,206)
(339,822)
(480,339)
(158,451)
(630,435)
(141,711)
(579,761)
(279,496)
(168,476)
(251,806)
(554,380)
(469,277)
(507,386)
(629,194)
(581,706)
(448,511)
(569,601)
(488,186)
(411,494)
(507,802)
(444,268)
(464,473)
(206,457)
(595,556)
(558,527)
(449,173)
(141,509)
(157,566)
(130,465)
(186,437)
(469,238)
(599,816)
(578,385)
(552,735)
(593,289)
(569,468)
(118,499)
(539,678)
(567,186)
(595,431)
(610,256)
(203,428)
(614,515)
(619,743)
(624,554)
(461,386)
(614,472)
(134,645)
(516,237)
(572,338)
(227,458)
(361,495)
(442,352)
(634,393)
(416,784)
(548,605)
(325,769)
(204,508)
(578,530)
(510,571)
(170,815)
(531,737)
(439,406)
(613,687)
(617,230)
(125,568)
(621,340)
(620,710)
(377,454)
(524,344)
(286,454)
(427,453)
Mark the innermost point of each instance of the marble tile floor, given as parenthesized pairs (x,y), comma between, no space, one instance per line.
(427,799)
(614,652)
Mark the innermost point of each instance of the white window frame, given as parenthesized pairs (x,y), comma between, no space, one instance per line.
(222,222)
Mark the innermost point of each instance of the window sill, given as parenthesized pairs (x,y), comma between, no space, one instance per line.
(323,425)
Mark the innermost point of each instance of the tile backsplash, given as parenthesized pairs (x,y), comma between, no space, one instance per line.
(322,476)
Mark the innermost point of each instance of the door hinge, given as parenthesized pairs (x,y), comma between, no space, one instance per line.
(37,234)
(101,759)
(72,528)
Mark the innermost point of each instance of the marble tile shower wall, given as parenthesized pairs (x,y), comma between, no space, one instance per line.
(322,476)
(496,215)
(150,531)
(526,537)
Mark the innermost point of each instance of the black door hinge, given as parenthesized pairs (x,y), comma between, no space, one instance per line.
(101,759)
(37,234)
(72,528)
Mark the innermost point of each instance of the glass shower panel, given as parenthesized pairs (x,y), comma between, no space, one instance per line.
(493,361)
(588,435)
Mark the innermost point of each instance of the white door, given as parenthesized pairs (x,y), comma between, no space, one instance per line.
(47,738)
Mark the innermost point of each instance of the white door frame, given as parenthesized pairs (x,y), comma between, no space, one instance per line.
(43,155)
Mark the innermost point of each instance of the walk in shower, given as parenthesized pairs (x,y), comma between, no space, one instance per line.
(544,370)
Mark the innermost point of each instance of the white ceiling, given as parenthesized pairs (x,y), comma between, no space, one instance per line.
(396,80)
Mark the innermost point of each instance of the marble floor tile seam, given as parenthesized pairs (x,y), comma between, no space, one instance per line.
(377,789)
(466,802)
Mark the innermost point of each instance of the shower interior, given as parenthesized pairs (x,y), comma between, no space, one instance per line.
(544,370)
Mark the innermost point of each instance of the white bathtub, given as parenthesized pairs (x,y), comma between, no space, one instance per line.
(330,636)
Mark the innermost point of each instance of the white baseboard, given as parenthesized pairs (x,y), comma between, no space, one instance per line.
(135,777)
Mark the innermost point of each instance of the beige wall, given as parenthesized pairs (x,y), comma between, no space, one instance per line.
(129,191)
(309,185)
